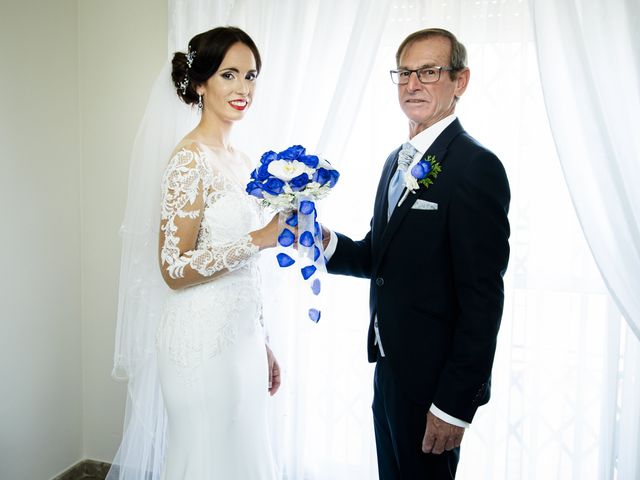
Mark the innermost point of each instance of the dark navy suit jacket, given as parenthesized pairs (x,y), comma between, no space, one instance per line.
(436,275)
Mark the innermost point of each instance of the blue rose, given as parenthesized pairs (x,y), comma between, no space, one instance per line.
(321,176)
(273,186)
(292,153)
(261,173)
(421,169)
(268,157)
(324,175)
(255,188)
(333,178)
(299,182)
(309,160)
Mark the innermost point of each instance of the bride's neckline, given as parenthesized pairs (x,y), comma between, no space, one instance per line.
(215,148)
(231,158)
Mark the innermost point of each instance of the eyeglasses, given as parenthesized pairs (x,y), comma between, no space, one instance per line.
(424,74)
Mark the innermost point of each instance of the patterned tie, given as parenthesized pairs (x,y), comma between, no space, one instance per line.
(405,157)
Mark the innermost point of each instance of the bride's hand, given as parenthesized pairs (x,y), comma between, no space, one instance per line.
(267,236)
(274,372)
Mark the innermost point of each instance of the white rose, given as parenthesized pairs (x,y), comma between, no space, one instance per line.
(410,181)
(285,170)
(280,202)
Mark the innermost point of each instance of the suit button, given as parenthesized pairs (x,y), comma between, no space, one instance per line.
(379,281)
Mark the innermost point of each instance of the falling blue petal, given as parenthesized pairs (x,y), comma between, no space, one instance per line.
(285,260)
(315,286)
(306,239)
(307,207)
(314,315)
(292,221)
(316,253)
(308,271)
(286,238)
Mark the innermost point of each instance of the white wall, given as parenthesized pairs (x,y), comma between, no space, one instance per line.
(122,46)
(74,82)
(40,197)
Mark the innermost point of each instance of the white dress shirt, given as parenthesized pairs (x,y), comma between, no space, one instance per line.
(421,142)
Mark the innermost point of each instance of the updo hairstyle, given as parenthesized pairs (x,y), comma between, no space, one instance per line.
(208,50)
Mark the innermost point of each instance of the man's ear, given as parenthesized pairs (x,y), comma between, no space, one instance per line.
(462,80)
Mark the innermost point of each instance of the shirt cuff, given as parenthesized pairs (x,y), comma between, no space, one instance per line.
(331,246)
(448,418)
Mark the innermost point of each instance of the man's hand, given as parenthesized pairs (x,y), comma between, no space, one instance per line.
(326,236)
(440,435)
(274,372)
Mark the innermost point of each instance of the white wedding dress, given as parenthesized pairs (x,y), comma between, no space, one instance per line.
(212,360)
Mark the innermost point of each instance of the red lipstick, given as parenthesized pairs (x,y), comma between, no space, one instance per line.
(239,104)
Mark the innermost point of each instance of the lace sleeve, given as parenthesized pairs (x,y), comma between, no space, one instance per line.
(185,260)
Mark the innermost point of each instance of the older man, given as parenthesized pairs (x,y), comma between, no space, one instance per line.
(436,254)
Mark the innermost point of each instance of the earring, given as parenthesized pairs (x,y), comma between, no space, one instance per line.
(200,102)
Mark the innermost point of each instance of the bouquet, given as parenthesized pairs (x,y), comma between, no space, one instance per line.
(283,179)
(291,182)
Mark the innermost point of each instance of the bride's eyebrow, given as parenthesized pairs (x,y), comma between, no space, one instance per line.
(235,70)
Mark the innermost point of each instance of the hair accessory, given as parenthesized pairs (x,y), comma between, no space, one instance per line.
(184,84)
(191,54)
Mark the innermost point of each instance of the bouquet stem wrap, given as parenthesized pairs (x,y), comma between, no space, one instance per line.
(311,260)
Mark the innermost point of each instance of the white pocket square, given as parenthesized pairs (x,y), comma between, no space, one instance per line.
(420,204)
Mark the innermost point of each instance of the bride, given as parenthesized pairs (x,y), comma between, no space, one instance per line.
(198,404)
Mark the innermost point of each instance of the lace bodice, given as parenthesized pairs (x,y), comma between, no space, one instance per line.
(192,189)
(204,202)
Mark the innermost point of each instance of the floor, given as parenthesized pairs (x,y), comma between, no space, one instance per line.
(86,470)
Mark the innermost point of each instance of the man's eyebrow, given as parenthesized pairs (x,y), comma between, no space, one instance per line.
(426,65)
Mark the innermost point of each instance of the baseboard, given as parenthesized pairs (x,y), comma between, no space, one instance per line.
(86,470)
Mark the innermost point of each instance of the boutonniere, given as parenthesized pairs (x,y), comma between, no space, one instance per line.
(422,173)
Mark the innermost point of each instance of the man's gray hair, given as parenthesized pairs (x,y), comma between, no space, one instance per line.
(458,58)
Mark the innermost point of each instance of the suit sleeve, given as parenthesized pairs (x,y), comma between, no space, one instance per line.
(479,236)
(351,257)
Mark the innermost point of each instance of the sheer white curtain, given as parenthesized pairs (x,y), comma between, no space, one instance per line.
(589,62)
(565,369)
(590,68)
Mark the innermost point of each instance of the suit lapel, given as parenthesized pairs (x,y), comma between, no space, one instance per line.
(439,149)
